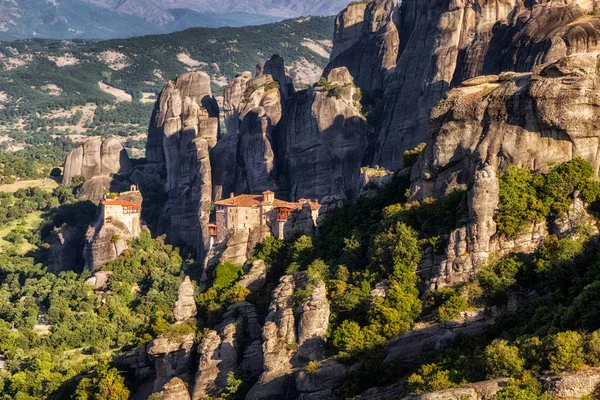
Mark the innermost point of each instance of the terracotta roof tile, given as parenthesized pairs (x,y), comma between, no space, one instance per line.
(122,203)
(256,200)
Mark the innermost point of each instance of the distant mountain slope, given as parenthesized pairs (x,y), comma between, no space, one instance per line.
(52,73)
(67,19)
(108,19)
(157,11)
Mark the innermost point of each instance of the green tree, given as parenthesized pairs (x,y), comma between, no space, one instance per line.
(566,351)
(503,360)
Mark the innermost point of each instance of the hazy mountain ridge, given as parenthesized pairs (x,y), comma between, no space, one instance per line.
(107,19)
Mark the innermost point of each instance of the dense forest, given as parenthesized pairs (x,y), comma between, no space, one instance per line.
(373,239)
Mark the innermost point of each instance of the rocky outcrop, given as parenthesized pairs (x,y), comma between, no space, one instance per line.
(96,157)
(322,383)
(175,389)
(172,358)
(137,361)
(328,205)
(104,243)
(95,188)
(434,338)
(322,141)
(312,326)
(348,27)
(255,278)
(367,42)
(238,246)
(66,245)
(533,120)
(99,279)
(573,385)
(276,68)
(185,306)
(234,93)
(107,238)
(187,212)
(220,350)
(260,112)
(279,341)
(476,391)
(183,129)
(287,346)
(300,222)
(218,357)
(443,44)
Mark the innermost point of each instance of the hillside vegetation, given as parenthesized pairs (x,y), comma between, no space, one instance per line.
(53,90)
(364,243)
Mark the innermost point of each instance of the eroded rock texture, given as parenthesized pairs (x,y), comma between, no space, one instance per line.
(533,120)
(287,346)
(183,130)
(96,157)
(234,93)
(66,245)
(171,358)
(220,351)
(322,141)
(175,389)
(104,243)
(443,43)
(366,42)
(185,307)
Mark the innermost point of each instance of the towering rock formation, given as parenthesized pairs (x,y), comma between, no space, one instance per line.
(322,141)
(348,27)
(444,43)
(276,68)
(119,221)
(283,349)
(183,130)
(366,42)
(234,93)
(221,351)
(534,120)
(172,355)
(96,158)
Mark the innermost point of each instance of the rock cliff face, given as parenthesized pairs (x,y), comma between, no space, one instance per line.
(183,129)
(234,93)
(172,359)
(287,346)
(276,68)
(367,42)
(533,120)
(172,356)
(65,249)
(185,307)
(322,141)
(444,43)
(220,351)
(96,157)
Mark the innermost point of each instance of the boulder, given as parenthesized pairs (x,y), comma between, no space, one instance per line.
(185,306)
(573,385)
(175,389)
(171,357)
(96,157)
(255,278)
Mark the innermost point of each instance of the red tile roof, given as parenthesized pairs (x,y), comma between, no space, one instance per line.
(256,200)
(122,203)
